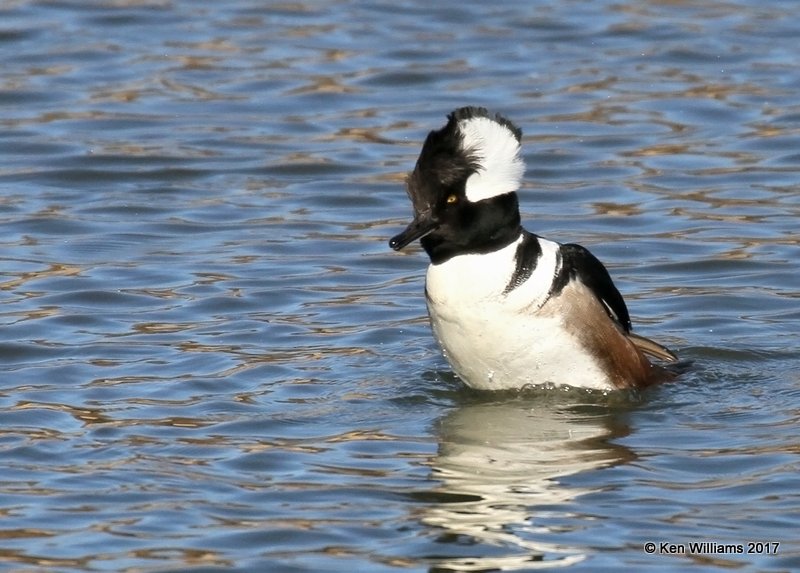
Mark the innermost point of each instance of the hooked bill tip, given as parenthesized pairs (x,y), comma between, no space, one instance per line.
(395,243)
(422,225)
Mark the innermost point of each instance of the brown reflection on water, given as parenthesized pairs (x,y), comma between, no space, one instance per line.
(84,415)
(53,270)
(12,556)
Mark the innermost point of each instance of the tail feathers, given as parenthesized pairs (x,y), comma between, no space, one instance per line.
(652,348)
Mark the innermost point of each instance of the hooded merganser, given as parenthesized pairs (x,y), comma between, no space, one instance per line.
(510,308)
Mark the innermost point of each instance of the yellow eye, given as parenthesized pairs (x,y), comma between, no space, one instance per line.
(452,199)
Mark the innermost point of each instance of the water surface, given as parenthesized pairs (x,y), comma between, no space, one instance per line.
(212,361)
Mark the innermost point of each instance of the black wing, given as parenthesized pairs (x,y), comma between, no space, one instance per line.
(578,262)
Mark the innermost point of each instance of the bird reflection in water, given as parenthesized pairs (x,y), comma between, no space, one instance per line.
(500,465)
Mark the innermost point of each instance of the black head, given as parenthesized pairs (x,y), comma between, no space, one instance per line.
(463,186)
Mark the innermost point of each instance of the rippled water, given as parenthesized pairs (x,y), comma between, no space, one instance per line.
(212,361)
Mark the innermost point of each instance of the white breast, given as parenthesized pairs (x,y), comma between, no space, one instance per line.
(498,341)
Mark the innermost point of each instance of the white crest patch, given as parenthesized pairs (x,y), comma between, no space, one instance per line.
(498,153)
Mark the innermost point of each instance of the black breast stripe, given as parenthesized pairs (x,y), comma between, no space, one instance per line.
(526,258)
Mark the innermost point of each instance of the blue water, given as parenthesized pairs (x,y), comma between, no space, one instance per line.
(212,361)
